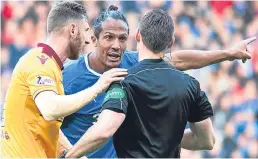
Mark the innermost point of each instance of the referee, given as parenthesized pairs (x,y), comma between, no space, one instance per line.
(148,111)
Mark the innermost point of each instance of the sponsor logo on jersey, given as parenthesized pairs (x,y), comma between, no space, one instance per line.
(115,93)
(44,80)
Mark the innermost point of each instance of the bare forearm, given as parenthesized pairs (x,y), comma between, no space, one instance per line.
(195,59)
(54,106)
(89,142)
(63,143)
(107,124)
(190,141)
(69,104)
(200,136)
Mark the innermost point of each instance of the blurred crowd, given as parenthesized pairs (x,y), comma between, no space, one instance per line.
(232,87)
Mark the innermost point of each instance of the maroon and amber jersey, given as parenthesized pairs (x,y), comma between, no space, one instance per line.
(25,133)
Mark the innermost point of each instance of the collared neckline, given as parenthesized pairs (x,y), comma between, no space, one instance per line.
(151,61)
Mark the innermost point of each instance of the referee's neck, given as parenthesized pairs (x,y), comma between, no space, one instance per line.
(145,53)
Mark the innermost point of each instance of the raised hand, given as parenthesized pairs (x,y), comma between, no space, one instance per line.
(240,51)
(113,75)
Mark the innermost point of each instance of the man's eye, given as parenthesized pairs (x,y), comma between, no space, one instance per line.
(123,38)
(108,37)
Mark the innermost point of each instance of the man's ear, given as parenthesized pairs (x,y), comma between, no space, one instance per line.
(73,29)
(94,41)
(171,42)
(138,36)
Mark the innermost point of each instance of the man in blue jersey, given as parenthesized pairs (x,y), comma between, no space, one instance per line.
(110,39)
(111,31)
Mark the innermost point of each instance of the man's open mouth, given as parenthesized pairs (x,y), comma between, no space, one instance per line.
(114,56)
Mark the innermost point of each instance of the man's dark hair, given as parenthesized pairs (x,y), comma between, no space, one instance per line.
(157,29)
(63,12)
(111,12)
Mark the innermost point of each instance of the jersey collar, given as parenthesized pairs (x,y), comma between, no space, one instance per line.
(151,61)
(86,59)
(51,53)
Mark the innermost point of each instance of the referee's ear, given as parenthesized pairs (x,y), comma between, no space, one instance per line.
(171,42)
(138,36)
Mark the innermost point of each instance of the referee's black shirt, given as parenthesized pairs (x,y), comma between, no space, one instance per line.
(157,100)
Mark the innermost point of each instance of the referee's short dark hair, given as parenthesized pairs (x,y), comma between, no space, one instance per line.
(62,13)
(157,30)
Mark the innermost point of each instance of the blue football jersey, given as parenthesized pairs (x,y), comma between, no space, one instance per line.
(76,77)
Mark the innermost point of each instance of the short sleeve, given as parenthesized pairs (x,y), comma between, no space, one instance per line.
(116,99)
(42,76)
(201,108)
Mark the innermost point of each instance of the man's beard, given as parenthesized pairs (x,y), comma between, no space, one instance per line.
(75,48)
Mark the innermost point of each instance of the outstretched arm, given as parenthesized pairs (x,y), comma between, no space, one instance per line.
(194,59)
(53,106)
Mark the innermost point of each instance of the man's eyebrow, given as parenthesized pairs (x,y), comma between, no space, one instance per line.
(124,34)
(109,33)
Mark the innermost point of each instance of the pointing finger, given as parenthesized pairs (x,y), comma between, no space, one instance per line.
(248,41)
